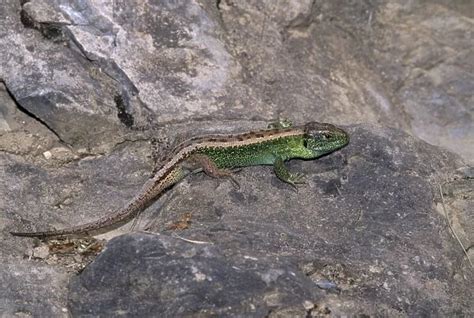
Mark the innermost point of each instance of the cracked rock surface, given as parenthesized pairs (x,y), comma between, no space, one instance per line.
(92,93)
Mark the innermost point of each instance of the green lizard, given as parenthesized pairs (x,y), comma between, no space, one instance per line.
(216,155)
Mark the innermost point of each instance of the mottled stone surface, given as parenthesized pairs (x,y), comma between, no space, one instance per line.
(92,92)
(160,274)
(426,58)
(32,289)
(348,242)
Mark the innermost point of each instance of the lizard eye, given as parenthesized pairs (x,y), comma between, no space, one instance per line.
(305,143)
(325,136)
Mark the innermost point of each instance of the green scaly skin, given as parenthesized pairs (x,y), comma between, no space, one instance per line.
(216,155)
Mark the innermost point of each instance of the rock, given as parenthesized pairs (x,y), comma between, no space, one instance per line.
(348,242)
(91,92)
(165,275)
(26,286)
(91,70)
(56,85)
(365,221)
(432,74)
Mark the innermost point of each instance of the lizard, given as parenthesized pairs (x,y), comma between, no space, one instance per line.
(217,155)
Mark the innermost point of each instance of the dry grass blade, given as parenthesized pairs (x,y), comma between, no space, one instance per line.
(451,228)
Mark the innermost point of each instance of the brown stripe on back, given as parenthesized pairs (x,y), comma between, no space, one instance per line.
(186,148)
(218,138)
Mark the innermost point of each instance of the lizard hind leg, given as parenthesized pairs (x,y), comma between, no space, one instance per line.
(200,162)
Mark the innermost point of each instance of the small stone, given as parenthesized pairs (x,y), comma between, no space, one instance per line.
(41,252)
(308,305)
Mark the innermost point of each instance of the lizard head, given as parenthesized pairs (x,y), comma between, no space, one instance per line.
(322,138)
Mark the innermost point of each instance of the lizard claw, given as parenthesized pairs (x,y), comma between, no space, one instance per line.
(234,182)
(295,179)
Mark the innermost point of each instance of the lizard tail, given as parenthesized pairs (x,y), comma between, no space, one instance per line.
(149,191)
(102,224)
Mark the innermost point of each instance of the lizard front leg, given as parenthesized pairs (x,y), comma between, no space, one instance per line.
(285,175)
(204,163)
(280,124)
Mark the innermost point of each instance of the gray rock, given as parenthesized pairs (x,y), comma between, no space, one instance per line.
(140,274)
(32,289)
(51,81)
(85,86)
(426,58)
(365,222)
(348,63)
